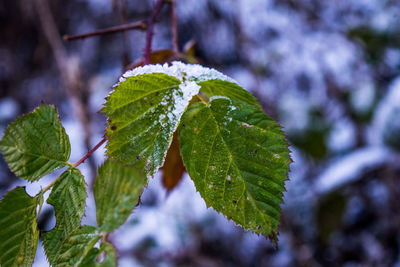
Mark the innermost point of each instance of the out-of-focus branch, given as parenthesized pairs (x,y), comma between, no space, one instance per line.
(150,31)
(174,27)
(139,25)
(69,70)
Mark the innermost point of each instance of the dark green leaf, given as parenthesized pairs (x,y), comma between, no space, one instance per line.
(143,113)
(68,199)
(77,245)
(116,191)
(18,232)
(35,144)
(109,260)
(231,90)
(238,159)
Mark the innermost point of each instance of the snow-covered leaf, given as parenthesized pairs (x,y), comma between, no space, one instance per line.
(143,113)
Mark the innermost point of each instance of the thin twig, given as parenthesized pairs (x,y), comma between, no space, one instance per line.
(89,153)
(201,98)
(150,31)
(69,70)
(50,185)
(174,27)
(139,25)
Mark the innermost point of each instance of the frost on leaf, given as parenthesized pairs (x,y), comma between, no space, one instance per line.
(144,112)
(236,155)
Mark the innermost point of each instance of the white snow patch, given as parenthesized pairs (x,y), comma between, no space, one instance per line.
(350,167)
(179,70)
(342,136)
(8,108)
(218,97)
(383,111)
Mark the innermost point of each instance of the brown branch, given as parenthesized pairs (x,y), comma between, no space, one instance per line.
(150,31)
(174,27)
(139,25)
(89,153)
(69,70)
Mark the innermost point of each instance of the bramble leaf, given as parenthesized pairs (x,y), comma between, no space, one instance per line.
(110,258)
(116,191)
(231,90)
(77,245)
(143,113)
(238,159)
(36,144)
(18,228)
(68,198)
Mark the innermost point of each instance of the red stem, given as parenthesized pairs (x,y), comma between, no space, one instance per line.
(139,25)
(89,153)
(150,31)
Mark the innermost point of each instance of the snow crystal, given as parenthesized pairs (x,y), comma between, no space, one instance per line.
(179,70)
(219,96)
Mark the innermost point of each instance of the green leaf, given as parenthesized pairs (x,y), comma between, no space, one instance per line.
(116,191)
(68,199)
(238,159)
(231,90)
(18,231)
(36,144)
(143,113)
(77,245)
(110,258)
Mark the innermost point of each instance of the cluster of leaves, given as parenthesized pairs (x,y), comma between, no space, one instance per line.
(235,154)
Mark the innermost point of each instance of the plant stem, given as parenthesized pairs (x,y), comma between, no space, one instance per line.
(50,185)
(201,99)
(139,25)
(150,31)
(89,153)
(174,27)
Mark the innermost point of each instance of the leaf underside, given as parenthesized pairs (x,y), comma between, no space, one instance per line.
(68,198)
(77,245)
(143,113)
(116,192)
(35,144)
(18,231)
(238,159)
(173,168)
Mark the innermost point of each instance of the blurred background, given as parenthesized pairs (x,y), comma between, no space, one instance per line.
(328,71)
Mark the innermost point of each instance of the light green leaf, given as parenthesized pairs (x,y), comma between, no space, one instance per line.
(238,159)
(68,199)
(231,90)
(77,245)
(109,260)
(18,231)
(143,114)
(116,191)
(36,144)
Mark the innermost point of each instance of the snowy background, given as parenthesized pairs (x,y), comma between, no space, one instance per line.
(328,71)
